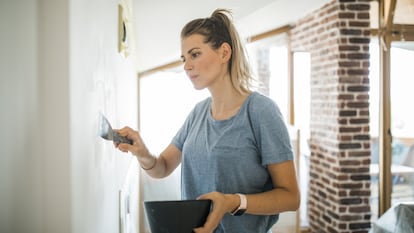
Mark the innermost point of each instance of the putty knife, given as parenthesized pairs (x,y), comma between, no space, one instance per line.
(106,132)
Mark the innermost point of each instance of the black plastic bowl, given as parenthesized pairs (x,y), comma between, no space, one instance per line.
(176,216)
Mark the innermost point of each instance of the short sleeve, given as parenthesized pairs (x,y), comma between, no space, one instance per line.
(179,139)
(271,133)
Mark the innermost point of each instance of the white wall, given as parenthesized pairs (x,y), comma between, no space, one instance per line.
(101,81)
(53,85)
(59,68)
(21,184)
(159,43)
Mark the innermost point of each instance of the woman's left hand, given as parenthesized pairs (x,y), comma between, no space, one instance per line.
(222,204)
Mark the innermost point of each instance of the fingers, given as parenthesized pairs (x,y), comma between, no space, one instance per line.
(211,223)
(204,197)
(124,147)
(201,230)
(137,148)
(215,215)
(128,133)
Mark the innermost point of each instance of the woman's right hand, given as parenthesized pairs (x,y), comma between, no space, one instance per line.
(137,148)
(157,167)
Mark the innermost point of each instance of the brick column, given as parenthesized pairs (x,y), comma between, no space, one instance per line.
(338,36)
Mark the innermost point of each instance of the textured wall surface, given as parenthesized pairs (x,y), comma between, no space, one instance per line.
(60,67)
(338,36)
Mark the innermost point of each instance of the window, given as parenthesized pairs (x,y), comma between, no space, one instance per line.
(269,61)
(302,97)
(402,127)
(166,98)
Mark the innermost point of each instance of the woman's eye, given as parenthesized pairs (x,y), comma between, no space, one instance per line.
(195,55)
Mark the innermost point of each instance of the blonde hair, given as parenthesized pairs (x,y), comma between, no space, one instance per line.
(218,29)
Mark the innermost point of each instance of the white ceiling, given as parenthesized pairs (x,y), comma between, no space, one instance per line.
(158,22)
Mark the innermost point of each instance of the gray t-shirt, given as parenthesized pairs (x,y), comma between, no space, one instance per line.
(230,156)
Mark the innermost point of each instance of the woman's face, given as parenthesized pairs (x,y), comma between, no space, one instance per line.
(204,65)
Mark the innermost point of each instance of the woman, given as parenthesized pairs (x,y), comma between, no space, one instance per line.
(234,147)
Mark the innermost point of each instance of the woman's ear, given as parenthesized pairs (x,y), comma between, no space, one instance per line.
(225,52)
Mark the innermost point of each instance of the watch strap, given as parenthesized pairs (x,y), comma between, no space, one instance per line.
(242,207)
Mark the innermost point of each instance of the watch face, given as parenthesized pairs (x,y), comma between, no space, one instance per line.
(240,212)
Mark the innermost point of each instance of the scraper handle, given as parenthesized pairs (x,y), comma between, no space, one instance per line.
(120,139)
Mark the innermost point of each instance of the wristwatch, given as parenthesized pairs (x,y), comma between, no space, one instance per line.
(242,207)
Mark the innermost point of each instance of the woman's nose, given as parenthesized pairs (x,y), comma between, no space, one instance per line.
(187,65)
